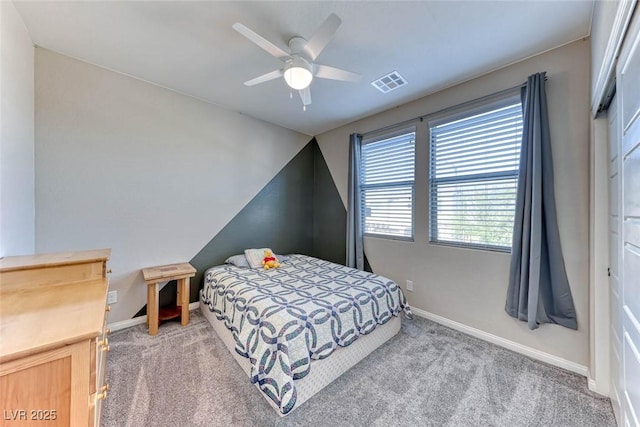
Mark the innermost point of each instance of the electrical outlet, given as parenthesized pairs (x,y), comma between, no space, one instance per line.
(410,285)
(112,297)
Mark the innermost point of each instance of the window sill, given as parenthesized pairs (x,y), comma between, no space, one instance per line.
(389,237)
(471,246)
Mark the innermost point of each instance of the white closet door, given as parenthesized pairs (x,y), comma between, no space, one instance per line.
(628,87)
(614,260)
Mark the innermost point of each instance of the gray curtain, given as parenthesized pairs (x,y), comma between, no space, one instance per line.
(538,286)
(355,252)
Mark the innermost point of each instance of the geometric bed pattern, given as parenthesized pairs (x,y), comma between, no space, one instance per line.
(282,319)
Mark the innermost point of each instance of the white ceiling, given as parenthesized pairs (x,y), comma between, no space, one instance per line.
(190,47)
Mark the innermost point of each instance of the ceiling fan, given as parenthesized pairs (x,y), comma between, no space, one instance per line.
(299,67)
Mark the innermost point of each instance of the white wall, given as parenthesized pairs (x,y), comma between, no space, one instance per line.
(469,286)
(148,172)
(16,135)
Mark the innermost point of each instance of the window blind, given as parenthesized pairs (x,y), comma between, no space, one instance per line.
(473,177)
(387,182)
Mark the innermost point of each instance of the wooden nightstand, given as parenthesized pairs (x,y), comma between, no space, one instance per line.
(164,273)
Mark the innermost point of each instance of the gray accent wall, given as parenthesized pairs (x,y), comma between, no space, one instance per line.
(329,214)
(298,211)
(279,217)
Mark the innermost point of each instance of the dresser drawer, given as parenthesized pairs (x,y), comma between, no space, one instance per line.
(46,389)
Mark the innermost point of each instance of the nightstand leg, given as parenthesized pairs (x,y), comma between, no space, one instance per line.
(148,306)
(178,292)
(152,308)
(183,286)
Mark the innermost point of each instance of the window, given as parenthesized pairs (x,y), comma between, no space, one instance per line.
(387,184)
(473,175)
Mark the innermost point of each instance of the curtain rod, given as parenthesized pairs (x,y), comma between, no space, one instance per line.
(444,110)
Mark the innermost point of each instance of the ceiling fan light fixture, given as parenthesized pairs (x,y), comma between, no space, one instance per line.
(298,73)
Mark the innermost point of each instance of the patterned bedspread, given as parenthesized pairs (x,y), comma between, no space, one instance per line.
(284,318)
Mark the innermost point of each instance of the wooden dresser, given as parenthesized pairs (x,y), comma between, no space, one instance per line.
(53,338)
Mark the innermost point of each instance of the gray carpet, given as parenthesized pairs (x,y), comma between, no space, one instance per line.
(427,375)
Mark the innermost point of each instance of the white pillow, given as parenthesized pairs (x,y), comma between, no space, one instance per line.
(238,261)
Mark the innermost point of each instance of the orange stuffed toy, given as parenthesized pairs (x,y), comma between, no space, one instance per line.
(270,261)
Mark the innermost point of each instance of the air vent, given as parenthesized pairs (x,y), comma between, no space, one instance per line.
(389,82)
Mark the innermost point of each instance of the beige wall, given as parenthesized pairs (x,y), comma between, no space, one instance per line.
(469,286)
(16,135)
(148,172)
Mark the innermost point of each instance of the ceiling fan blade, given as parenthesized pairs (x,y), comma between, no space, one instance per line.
(331,73)
(322,36)
(264,78)
(305,95)
(261,41)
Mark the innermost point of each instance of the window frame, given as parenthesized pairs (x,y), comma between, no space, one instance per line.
(377,137)
(493,102)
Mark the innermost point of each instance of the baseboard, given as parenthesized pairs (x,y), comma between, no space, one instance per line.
(123,324)
(502,342)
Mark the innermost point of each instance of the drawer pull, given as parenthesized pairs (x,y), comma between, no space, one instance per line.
(107,308)
(105,387)
(104,342)
(109,271)
(102,395)
(107,331)
(106,348)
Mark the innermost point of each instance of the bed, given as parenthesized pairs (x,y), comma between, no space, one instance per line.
(296,328)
